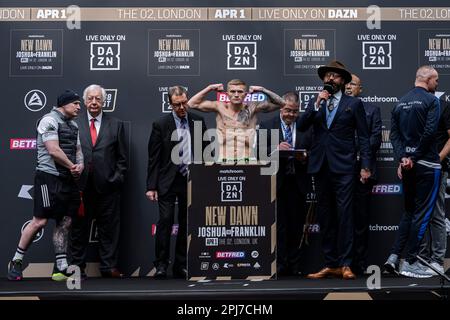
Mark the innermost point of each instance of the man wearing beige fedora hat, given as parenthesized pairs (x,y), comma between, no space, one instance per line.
(336,120)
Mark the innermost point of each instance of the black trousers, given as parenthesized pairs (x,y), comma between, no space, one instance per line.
(178,190)
(105,208)
(291,214)
(361,220)
(335,216)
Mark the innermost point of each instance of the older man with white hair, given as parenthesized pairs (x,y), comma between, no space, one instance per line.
(103,142)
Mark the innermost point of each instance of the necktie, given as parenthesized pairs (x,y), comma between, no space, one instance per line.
(184,153)
(93,131)
(331,104)
(288,135)
(290,161)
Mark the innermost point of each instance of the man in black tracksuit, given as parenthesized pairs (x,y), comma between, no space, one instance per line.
(413,136)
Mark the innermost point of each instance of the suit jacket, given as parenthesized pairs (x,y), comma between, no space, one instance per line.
(302,141)
(337,144)
(373,118)
(161,170)
(108,159)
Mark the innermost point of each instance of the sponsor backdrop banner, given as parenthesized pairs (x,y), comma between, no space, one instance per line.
(231,222)
(138,52)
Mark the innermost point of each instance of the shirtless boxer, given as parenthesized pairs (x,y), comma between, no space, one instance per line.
(236,120)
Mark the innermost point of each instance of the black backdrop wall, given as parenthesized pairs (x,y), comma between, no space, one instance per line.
(119,49)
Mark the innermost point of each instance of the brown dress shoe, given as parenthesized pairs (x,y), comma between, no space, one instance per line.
(326,273)
(347,273)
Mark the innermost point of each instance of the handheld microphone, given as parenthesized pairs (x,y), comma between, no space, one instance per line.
(328,87)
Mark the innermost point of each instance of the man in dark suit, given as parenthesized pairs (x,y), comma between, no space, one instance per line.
(336,120)
(292,181)
(363,191)
(170,150)
(106,160)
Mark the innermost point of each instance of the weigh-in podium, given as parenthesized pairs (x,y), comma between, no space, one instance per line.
(231,222)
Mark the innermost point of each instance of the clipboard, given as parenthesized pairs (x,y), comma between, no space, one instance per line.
(295,153)
(299,154)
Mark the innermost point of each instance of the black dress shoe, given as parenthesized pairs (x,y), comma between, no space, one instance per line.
(161,272)
(282,272)
(180,273)
(113,273)
(296,272)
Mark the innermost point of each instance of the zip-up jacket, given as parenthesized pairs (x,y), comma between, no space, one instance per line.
(414,125)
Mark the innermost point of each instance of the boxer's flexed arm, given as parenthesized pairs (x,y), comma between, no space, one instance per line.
(198,101)
(274,102)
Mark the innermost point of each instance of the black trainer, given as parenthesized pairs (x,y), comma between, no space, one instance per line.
(15,270)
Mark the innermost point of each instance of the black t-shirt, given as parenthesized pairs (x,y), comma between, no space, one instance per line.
(443,127)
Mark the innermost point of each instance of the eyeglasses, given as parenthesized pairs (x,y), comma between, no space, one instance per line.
(332,74)
(285,110)
(179,105)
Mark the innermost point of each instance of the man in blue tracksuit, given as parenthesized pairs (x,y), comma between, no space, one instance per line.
(413,135)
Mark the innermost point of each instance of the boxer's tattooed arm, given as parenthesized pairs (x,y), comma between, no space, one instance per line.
(273,103)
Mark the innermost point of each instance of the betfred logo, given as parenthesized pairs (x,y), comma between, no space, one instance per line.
(22,144)
(251,97)
(387,189)
(230,254)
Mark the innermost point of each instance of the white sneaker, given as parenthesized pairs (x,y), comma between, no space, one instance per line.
(415,270)
(437,266)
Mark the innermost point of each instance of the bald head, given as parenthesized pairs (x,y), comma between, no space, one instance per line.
(354,87)
(424,72)
(427,78)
